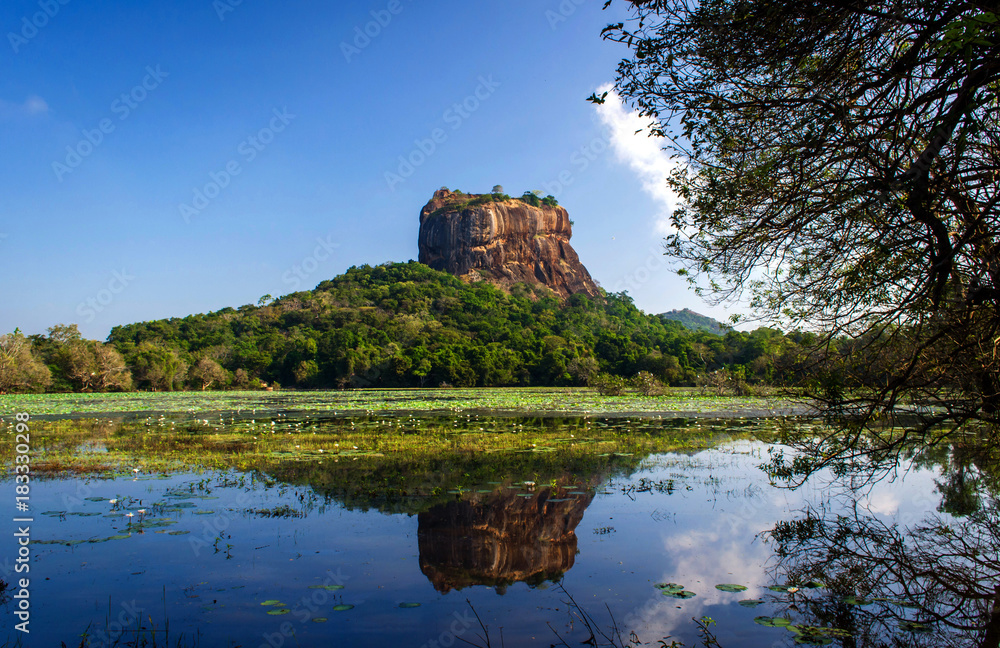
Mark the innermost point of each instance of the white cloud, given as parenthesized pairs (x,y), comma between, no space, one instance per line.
(642,153)
(33,105)
(881,503)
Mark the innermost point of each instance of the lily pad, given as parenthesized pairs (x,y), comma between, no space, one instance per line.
(729,587)
(330,588)
(779,588)
(773,622)
(856,600)
(751,603)
(95,499)
(816,635)
(279,611)
(683,594)
(409,605)
(813,584)
(913,626)
(272,602)
(319,620)
(669,587)
(343,607)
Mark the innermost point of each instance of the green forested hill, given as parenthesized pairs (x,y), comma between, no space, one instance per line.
(405,324)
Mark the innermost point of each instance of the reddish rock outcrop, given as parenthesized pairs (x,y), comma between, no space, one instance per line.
(505,242)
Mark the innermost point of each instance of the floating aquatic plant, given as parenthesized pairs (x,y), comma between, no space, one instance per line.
(913,626)
(673,590)
(773,622)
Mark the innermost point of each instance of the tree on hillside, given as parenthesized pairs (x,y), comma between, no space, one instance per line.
(112,372)
(207,372)
(157,368)
(86,365)
(20,369)
(841,163)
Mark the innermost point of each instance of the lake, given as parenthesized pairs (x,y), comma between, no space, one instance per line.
(510,517)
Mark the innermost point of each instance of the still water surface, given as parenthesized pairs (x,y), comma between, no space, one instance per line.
(232,558)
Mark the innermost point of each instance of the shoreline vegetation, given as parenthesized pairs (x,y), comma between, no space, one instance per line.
(405,325)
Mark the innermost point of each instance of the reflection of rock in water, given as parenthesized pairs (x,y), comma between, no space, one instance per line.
(500,539)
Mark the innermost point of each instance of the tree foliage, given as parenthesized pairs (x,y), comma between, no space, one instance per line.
(20,368)
(86,365)
(402,325)
(157,367)
(840,161)
(406,325)
(207,372)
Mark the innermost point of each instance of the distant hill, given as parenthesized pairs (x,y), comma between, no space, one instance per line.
(695,321)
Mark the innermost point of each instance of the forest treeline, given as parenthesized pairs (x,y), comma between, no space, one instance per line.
(405,325)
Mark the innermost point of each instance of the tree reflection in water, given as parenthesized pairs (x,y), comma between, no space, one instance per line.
(932,583)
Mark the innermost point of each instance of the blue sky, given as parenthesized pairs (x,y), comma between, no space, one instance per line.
(161,159)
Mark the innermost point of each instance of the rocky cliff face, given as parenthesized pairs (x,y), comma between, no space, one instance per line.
(505,242)
(500,539)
